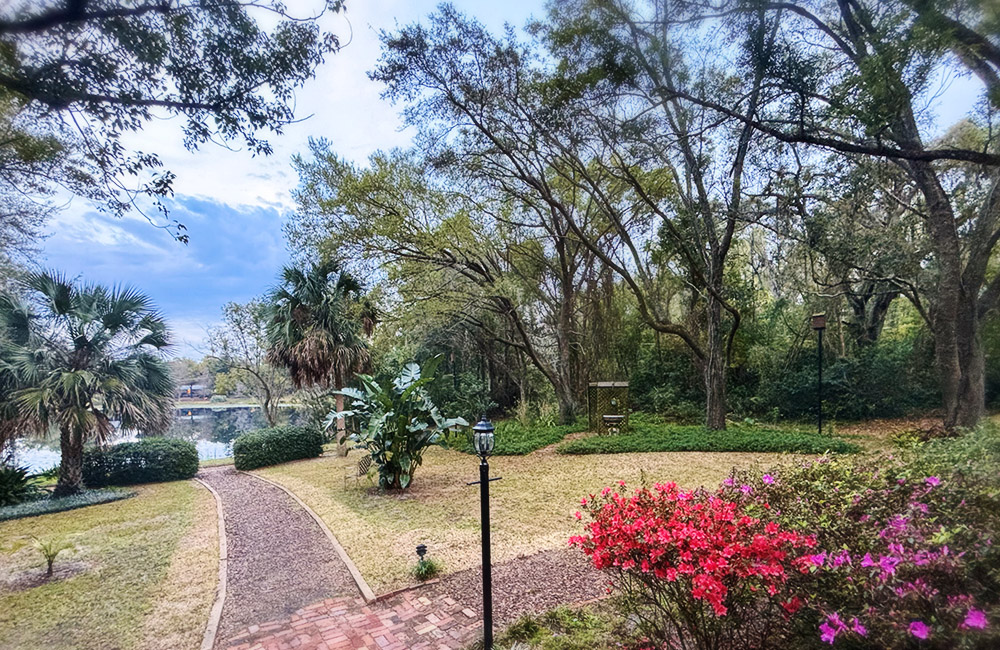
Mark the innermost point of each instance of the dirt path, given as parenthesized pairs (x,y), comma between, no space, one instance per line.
(279,559)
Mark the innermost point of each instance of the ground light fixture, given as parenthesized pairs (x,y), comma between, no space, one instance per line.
(818,322)
(483,442)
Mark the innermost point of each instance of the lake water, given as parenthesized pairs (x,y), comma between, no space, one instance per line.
(211,428)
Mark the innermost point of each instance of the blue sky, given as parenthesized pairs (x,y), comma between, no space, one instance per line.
(233,204)
(234,254)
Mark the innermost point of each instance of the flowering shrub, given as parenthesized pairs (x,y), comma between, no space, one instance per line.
(695,567)
(903,558)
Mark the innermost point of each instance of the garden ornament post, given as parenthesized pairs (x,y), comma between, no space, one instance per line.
(483,442)
(819,324)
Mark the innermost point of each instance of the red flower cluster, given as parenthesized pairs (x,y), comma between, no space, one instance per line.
(696,539)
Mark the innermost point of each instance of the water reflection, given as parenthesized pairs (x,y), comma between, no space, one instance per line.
(211,428)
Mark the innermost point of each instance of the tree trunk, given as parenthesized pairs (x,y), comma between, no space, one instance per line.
(341,428)
(964,381)
(567,407)
(715,369)
(71,463)
(954,311)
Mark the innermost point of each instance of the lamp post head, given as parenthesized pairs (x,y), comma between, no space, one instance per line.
(421,551)
(482,438)
(818,321)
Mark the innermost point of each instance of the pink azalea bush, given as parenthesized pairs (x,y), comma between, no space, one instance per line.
(892,551)
(701,571)
(905,555)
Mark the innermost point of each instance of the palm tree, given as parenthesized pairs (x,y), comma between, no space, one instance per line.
(78,358)
(318,329)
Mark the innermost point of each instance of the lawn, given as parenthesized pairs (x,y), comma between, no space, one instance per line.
(532,506)
(142,574)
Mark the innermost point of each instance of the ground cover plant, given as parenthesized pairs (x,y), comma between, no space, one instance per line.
(532,505)
(563,628)
(648,434)
(141,574)
(516,439)
(43,506)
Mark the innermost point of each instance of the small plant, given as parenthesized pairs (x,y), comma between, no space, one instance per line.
(16,485)
(426,568)
(50,550)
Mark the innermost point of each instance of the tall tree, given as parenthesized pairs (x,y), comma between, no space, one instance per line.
(240,344)
(318,326)
(79,357)
(604,130)
(90,72)
(465,247)
(855,78)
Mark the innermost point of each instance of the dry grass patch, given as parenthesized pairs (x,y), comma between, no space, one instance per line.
(184,599)
(532,507)
(138,568)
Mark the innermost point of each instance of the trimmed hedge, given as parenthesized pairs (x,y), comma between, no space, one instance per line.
(698,438)
(49,506)
(151,460)
(276,445)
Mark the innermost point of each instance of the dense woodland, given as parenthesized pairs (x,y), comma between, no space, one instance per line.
(654,191)
(664,192)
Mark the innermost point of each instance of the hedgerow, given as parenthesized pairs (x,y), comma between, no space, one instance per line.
(151,460)
(276,445)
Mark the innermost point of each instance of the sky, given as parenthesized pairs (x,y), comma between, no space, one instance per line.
(234,204)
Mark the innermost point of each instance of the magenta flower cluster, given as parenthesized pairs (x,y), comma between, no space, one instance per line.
(895,563)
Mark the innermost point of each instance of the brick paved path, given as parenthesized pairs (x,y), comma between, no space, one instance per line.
(408,621)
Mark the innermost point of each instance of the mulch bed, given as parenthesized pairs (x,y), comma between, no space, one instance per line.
(32,578)
(279,559)
(530,584)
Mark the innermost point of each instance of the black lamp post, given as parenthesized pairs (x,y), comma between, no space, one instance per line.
(818,322)
(483,441)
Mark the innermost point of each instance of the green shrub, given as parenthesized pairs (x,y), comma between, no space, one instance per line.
(151,460)
(16,485)
(427,568)
(276,445)
(516,439)
(48,506)
(903,537)
(649,437)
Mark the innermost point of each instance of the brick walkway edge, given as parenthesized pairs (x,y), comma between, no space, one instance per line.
(406,621)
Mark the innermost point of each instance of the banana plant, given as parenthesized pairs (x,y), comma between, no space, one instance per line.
(396,421)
